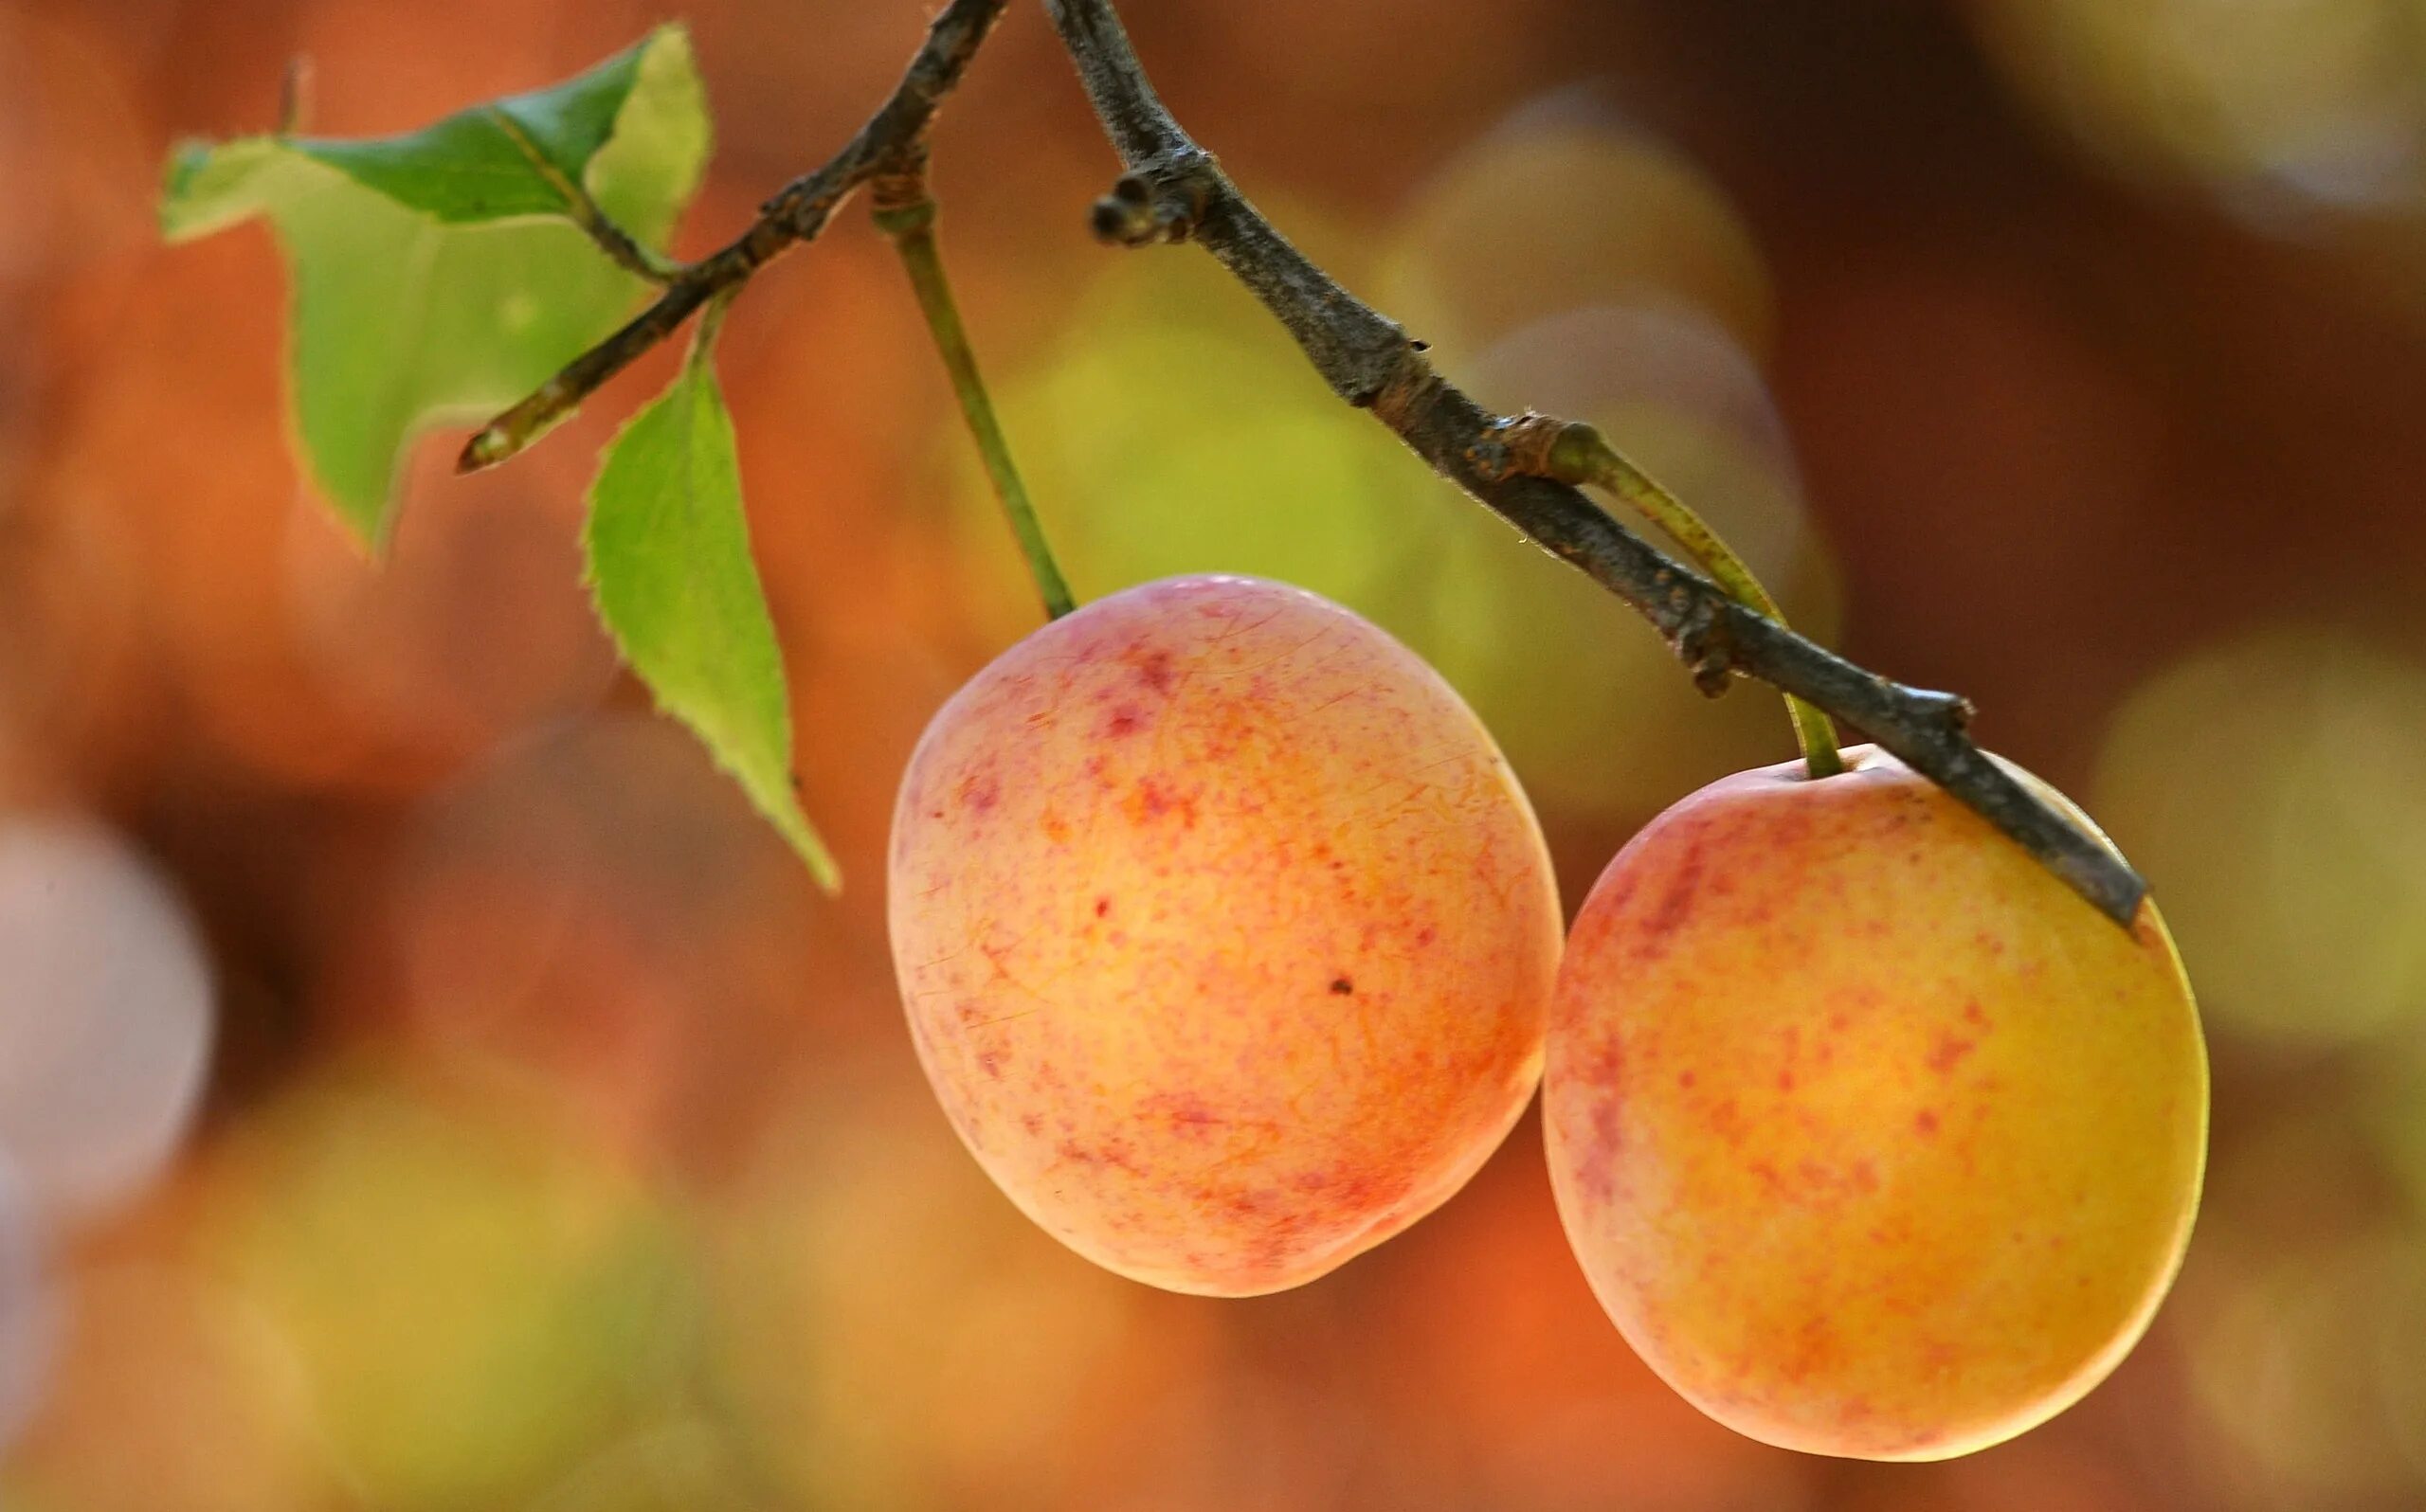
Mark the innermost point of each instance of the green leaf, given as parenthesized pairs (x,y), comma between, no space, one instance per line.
(529,154)
(669,562)
(406,314)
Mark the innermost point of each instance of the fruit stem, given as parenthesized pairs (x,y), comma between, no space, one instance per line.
(1581,455)
(906,212)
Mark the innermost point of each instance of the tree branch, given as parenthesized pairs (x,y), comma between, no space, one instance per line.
(1174,190)
(797,213)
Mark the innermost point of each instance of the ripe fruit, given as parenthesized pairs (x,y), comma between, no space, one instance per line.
(1225,935)
(1873,1137)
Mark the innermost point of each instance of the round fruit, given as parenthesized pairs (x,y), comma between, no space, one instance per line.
(1226,936)
(1873,1137)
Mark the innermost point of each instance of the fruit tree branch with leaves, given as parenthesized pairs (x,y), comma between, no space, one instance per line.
(1222,1007)
(1173,190)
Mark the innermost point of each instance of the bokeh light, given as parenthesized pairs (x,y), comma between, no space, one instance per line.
(2290,856)
(2279,107)
(868,1272)
(474,1293)
(2311,1367)
(28,1306)
(1563,207)
(169,1378)
(106,1013)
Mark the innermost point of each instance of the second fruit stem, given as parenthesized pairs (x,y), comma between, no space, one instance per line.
(906,212)
(1583,455)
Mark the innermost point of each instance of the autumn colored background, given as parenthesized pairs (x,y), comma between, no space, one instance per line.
(425,1084)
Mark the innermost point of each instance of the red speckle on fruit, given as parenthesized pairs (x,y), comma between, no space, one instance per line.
(1125,721)
(1593,1168)
(1154,800)
(990,1062)
(1675,905)
(1116,1156)
(980,791)
(1974,1014)
(1592,1176)
(1948,1052)
(1186,1112)
(1103,905)
(1684,1078)
(1926,1121)
(1786,1081)
(1154,671)
(1621,892)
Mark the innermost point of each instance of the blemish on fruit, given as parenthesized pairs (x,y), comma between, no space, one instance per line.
(1103,905)
(1342,986)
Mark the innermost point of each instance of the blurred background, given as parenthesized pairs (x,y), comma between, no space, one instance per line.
(423,1084)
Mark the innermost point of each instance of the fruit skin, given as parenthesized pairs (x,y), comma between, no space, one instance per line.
(1225,935)
(1873,1137)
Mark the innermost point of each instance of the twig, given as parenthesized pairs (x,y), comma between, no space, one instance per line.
(1174,190)
(796,214)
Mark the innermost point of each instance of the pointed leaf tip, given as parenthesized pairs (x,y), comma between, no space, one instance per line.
(668,562)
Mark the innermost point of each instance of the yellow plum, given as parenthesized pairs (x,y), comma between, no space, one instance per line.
(1873,1137)
(1226,936)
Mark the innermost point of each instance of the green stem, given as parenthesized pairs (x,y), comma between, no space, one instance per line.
(912,226)
(1581,455)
